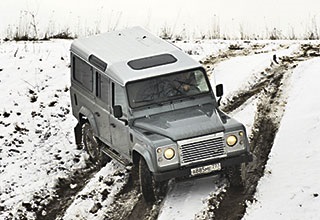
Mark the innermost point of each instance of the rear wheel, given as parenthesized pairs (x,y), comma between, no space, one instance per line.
(92,146)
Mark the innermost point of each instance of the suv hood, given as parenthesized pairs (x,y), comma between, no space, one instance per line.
(183,123)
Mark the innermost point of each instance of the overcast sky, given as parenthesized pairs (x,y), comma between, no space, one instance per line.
(195,16)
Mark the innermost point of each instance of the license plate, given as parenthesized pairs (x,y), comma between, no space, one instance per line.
(205,169)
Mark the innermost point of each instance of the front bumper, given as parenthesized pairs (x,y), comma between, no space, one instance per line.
(186,171)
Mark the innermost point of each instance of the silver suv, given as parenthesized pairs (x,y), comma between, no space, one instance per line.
(142,101)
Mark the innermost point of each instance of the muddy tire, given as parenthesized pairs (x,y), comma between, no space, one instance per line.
(234,176)
(92,146)
(148,186)
(134,179)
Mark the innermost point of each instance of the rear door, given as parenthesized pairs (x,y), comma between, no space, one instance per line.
(82,85)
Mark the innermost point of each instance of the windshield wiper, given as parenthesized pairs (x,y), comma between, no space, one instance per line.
(143,100)
(148,102)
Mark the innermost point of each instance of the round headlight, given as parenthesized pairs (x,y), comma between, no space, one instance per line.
(168,153)
(231,140)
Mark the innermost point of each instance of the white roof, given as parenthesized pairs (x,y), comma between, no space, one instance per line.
(117,48)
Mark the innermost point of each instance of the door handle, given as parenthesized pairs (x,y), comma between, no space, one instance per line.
(113,125)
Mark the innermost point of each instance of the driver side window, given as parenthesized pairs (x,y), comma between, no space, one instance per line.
(119,97)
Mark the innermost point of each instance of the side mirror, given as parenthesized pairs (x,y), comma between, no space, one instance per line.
(117,111)
(219,93)
(219,90)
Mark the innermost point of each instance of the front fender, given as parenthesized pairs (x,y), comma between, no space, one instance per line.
(143,152)
(90,117)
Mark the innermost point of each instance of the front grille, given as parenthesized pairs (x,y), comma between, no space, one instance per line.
(201,149)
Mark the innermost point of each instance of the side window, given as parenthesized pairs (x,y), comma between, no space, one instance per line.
(201,81)
(102,87)
(82,73)
(119,97)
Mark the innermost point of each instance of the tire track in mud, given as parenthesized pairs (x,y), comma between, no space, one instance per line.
(231,204)
(236,50)
(130,205)
(125,202)
(66,189)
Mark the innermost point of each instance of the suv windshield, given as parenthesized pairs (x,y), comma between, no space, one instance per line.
(168,87)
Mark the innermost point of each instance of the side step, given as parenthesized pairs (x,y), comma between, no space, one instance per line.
(115,155)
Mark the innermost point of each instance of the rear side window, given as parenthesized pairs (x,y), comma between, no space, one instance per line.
(82,73)
(102,87)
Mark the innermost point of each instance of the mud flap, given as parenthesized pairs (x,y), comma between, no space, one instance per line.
(78,134)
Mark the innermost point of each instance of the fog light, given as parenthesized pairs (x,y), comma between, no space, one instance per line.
(231,140)
(169,153)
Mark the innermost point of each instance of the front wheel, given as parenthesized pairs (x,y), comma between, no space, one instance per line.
(147,183)
(92,146)
(151,190)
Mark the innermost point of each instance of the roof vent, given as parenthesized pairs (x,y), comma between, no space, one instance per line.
(153,61)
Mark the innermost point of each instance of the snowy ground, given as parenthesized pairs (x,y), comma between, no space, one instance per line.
(290,188)
(35,127)
(38,153)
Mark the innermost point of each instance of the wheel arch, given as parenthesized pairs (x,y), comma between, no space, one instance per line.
(86,115)
(139,152)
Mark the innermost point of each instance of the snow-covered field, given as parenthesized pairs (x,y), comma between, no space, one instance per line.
(290,188)
(36,135)
(38,156)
